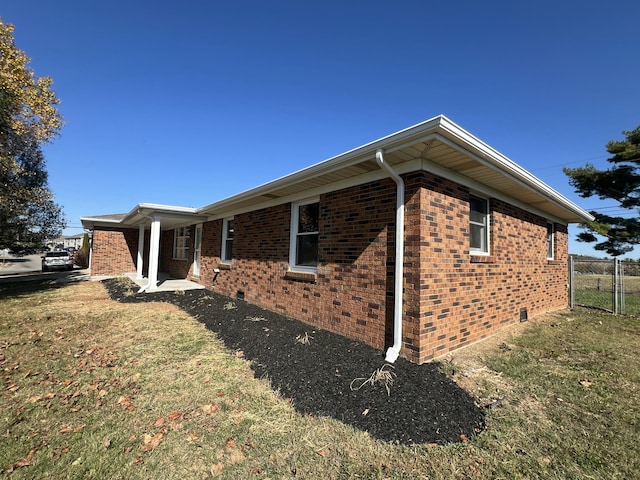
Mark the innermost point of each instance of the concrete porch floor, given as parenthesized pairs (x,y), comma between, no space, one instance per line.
(166,283)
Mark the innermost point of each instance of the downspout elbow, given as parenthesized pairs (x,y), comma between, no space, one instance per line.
(394,351)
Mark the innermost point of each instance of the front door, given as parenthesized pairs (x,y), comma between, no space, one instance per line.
(197,249)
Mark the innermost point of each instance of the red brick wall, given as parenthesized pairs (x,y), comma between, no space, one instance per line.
(451,298)
(114,251)
(175,267)
(349,293)
(465,298)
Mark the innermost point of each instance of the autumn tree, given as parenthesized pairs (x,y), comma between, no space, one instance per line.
(620,182)
(29,118)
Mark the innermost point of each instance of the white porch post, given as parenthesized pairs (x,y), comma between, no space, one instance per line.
(140,260)
(154,253)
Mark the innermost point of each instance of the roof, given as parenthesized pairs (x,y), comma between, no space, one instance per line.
(436,145)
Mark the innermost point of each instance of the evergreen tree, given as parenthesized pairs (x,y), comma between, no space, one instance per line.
(621,183)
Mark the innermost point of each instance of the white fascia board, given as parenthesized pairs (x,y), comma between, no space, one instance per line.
(408,136)
(495,160)
(166,211)
(439,127)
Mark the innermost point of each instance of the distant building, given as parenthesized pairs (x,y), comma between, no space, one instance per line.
(66,241)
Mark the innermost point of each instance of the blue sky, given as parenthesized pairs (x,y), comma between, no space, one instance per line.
(185,103)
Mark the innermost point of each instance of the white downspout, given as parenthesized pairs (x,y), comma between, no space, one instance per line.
(394,351)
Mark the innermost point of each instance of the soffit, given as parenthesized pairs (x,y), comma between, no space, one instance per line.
(460,163)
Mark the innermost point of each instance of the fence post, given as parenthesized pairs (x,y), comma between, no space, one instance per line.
(614,290)
(622,293)
(572,283)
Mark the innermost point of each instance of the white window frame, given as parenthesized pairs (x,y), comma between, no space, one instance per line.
(551,240)
(223,250)
(293,241)
(486,225)
(181,243)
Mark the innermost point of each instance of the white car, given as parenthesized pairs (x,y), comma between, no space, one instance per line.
(59,259)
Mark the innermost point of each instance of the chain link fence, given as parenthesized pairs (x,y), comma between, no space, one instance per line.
(610,285)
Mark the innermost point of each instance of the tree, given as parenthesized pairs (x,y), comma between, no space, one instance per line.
(29,118)
(621,182)
(81,257)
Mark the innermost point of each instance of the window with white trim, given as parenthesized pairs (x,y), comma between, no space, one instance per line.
(478,225)
(304,236)
(228,234)
(181,243)
(550,241)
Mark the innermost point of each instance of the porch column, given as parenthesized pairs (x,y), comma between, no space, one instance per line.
(154,253)
(140,261)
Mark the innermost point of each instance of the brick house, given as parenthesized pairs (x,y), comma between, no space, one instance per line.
(418,243)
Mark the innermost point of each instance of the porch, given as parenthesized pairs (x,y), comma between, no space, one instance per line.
(165,283)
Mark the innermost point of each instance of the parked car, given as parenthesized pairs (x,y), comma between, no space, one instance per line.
(58,259)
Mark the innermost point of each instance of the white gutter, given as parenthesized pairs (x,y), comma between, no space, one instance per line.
(394,351)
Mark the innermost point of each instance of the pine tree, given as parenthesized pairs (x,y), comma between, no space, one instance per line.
(621,183)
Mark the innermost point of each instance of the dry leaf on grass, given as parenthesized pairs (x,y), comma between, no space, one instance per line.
(210,408)
(149,443)
(216,469)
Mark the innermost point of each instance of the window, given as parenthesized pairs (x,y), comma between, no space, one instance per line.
(181,243)
(304,236)
(550,231)
(227,240)
(479,225)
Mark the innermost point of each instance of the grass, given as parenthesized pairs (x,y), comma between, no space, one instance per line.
(596,291)
(97,389)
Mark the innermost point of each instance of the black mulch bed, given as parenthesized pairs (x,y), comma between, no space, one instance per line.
(424,405)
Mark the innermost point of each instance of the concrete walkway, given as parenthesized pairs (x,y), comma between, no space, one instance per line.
(166,283)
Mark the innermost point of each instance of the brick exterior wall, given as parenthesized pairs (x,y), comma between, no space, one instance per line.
(114,251)
(461,298)
(451,298)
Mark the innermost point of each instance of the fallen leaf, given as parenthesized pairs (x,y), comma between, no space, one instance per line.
(257,471)
(586,383)
(174,415)
(106,443)
(464,438)
(149,442)
(210,408)
(231,442)
(66,430)
(236,456)
(239,354)
(24,462)
(366,410)
(159,422)
(138,460)
(322,452)
(49,395)
(216,469)
(34,399)
(192,437)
